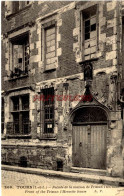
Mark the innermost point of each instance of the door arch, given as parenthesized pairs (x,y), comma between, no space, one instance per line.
(89,137)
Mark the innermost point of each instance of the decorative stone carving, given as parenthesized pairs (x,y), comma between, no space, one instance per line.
(88,72)
(112,91)
(5,35)
(31,23)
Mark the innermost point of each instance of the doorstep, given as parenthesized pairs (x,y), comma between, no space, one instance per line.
(80,170)
(69,175)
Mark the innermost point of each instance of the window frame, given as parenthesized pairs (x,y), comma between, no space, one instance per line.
(47,107)
(44,27)
(21,114)
(43,133)
(82,29)
(25,67)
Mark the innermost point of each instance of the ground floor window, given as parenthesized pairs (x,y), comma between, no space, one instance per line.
(48,108)
(20,115)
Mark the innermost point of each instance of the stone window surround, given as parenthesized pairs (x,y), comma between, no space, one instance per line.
(40,130)
(11,37)
(8,105)
(81,37)
(47,24)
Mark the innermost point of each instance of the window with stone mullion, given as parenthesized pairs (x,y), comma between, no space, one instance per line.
(20,114)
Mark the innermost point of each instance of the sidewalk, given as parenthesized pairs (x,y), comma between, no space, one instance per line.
(68,175)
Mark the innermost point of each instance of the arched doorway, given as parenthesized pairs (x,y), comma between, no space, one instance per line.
(89,137)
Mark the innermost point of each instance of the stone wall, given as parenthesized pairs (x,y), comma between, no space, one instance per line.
(44,157)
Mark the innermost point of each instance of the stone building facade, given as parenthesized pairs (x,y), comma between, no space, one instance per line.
(62,85)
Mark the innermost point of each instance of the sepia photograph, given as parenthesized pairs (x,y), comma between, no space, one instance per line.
(62,98)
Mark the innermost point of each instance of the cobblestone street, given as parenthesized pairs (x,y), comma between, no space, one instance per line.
(20,179)
(31,184)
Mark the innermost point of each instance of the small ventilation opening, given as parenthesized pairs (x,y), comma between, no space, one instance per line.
(121,184)
(59,165)
(23,162)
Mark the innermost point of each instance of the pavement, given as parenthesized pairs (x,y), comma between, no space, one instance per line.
(68,175)
(24,184)
(19,179)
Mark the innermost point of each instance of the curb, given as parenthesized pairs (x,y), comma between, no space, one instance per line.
(67,175)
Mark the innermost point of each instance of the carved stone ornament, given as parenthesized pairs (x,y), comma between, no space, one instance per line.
(5,35)
(31,23)
(88,71)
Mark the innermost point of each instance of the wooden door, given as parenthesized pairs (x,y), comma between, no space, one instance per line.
(89,146)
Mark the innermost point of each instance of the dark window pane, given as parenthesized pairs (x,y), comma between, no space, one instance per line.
(25,122)
(87,29)
(16,123)
(46,114)
(93,27)
(16,117)
(20,60)
(86,15)
(87,36)
(16,128)
(87,23)
(25,102)
(15,103)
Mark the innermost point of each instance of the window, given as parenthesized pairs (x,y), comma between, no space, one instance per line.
(89,31)
(49,45)
(20,115)
(20,55)
(2,116)
(48,110)
(14,6)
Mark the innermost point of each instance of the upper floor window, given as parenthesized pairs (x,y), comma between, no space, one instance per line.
(49,45)
(14,6)
(20,55)
(89,32)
